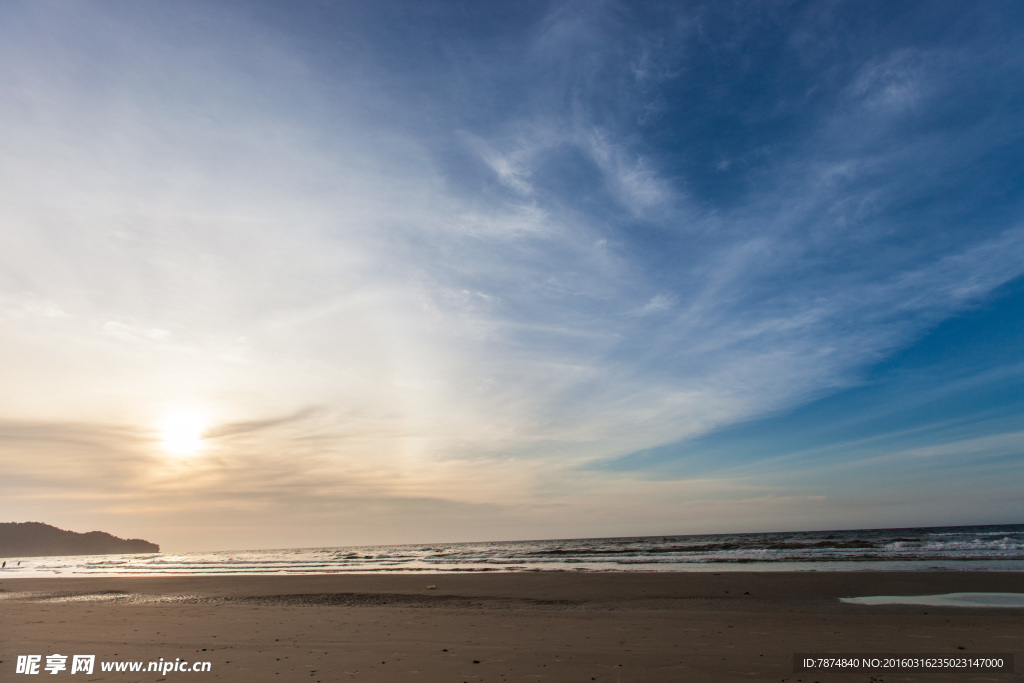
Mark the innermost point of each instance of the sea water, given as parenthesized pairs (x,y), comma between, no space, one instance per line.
(1010,600)
(948,548)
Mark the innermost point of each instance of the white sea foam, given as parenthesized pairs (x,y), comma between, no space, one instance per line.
(994,548)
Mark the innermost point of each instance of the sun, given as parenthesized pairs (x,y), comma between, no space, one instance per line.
(182,433)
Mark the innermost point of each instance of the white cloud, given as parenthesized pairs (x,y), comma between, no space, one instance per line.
(265,245)
(893,83)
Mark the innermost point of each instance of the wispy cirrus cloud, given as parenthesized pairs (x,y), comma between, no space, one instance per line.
(559,236)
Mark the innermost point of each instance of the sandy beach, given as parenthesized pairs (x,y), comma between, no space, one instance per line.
(504,627)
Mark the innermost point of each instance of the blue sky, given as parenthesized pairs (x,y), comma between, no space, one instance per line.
(436,271)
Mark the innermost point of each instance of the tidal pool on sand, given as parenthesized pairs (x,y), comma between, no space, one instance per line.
(944,600)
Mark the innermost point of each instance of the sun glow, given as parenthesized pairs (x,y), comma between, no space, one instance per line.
(182,434)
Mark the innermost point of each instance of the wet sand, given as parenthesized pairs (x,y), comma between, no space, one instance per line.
(733,626)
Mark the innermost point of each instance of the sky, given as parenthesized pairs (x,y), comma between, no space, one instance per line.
(323,273)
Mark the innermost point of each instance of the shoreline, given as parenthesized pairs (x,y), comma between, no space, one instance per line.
(507,626)
(114,570)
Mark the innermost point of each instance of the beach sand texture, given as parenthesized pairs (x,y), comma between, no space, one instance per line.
(733,626)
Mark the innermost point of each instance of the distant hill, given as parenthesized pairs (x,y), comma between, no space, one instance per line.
(35,539)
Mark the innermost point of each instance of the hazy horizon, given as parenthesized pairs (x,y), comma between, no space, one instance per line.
(499,541)
(341,273)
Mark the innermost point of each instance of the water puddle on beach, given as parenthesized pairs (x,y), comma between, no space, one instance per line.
(945,600)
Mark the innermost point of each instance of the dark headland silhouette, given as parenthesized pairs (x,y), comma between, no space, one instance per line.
(35,539)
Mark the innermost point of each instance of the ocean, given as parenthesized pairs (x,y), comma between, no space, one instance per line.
(950,548)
